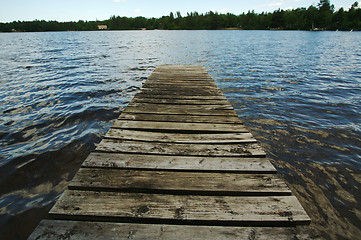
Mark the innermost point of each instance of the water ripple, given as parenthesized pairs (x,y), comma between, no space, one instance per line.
(298,92)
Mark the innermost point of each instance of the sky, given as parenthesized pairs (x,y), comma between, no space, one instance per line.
(90,10)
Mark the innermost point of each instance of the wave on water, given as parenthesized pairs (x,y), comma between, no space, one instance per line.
(299,93)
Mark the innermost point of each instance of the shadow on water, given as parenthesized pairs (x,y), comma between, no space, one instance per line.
(311,162)
(30,184)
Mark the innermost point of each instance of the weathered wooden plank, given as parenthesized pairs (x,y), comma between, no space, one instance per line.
(196,91)
(178,126)
(195,183)
(202,82)
(232,120)
(179,83)
(182,75)
(179,67)
(185,73)
(192,209)
(187,107)
(169,110)
(181,149)
(180,88)
(184,70)
(167,96)
(191,92)
(208,110)
(75,230)
(180,101)
(163,78)
(194,74)
(179,163)
(145,136)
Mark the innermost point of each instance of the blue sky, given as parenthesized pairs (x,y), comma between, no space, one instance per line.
(74,10)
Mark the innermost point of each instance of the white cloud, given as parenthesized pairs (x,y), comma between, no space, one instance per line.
(279,3)
(223,10)
(137,10)
(272,4)
(119,1)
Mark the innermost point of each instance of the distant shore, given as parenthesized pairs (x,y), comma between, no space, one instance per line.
(321,17)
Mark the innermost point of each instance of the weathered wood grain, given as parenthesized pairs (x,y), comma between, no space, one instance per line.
(167,78)
(194,183)
(159,84)
(219,138)
(194,110)
(167,96)
(192,74)
(181,149)
(180,101)
(186,107)
(75,230)
(177,156)
(191,209)
(182,118)
(178,126)
(174,92)
(179,83)
(205,90)
(179,163)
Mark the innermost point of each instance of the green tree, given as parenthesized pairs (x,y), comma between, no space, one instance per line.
(338,19)
(311,15)
(321,16)
(277,19)
(324,17)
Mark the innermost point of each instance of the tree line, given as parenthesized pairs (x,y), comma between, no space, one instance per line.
(320,17)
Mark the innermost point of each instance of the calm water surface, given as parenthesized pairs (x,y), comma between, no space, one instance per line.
(298,92)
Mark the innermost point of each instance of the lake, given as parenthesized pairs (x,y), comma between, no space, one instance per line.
(298,92)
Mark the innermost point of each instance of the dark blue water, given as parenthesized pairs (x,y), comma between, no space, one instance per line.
(298,92)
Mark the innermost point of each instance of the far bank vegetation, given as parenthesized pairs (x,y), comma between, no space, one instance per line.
(323,16)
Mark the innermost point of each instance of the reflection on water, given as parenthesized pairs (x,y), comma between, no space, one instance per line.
(298,92)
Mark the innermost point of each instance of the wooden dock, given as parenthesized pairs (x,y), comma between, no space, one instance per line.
(176,164)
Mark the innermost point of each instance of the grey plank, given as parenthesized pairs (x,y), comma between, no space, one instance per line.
(157,208)
(232,120)
(165,78)
(174,92)
(207,110)
(178,126)
(181,76)
(158,83)
(186,107)
(180,101)
(75,230)
(179,163)
(184,111)
(180,88)
(167,96)
(220,138)
(181,149)
(180,83)
(195,183)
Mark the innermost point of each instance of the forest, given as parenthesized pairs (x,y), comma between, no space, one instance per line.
(323,16)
